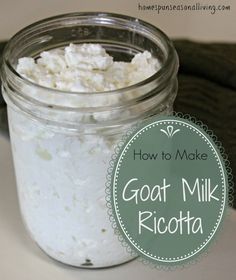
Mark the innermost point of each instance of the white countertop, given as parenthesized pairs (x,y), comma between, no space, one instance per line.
(22,259)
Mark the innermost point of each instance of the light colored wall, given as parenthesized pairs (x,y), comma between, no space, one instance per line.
(196,25)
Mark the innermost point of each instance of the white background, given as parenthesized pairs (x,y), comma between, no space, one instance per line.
(15,14)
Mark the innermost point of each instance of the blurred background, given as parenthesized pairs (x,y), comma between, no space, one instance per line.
(199,25)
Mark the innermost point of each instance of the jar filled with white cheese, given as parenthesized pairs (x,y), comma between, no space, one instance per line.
(73,85)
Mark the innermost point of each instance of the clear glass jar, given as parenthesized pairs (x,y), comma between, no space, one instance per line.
(62,141)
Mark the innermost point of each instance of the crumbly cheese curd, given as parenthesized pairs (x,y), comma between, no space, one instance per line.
(61,178)
(86,68)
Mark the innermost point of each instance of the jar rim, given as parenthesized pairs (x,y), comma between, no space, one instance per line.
(165,68)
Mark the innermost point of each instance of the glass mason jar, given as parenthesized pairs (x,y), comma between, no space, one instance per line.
(62,141)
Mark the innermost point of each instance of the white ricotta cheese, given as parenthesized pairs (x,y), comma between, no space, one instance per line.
(61,178)
(86,68)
